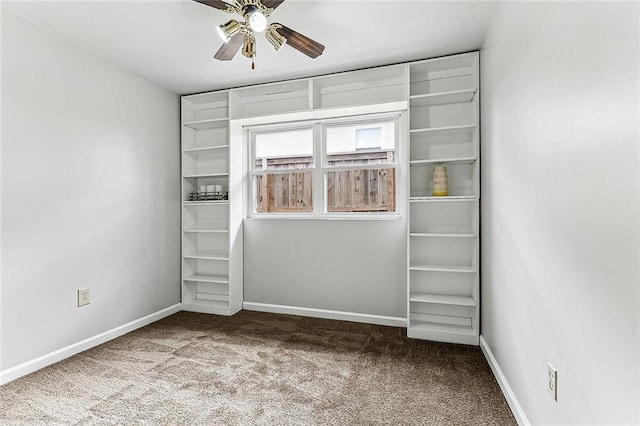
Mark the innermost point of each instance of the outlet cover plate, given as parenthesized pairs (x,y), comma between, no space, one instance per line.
(552,381)
(84,296)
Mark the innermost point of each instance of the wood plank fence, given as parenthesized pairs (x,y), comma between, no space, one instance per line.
(364,190)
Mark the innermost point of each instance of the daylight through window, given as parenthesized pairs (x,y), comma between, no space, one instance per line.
(325,168)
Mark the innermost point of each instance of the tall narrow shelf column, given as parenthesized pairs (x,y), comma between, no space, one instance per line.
(443,236)
(212,277)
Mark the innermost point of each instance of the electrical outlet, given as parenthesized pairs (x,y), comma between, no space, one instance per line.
(84,296)
(552,381)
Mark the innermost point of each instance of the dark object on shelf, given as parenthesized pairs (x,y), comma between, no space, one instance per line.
(208,196)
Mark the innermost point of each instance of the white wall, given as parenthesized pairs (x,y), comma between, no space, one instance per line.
(340,265)
(90,194)
(560,221)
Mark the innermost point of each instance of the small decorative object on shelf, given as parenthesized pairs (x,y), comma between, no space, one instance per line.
(440,182)
(208,196)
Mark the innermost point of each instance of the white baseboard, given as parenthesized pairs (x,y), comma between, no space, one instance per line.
(327,314)
(517,410)
(55,356)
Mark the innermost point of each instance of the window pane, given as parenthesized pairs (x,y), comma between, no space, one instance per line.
(292,149)
(369,190)
(283,192)
(369,138)
(365,143)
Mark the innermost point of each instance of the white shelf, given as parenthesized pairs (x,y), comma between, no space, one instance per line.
(436,235)
(206,231)
(212,297)
(452,97)
(207,124)
(207,307)
(430,199)
(221,256)
(441,328)
(205,203)
(207,279)
(443,268)
(205,175)
(442,299)
(206,148)
(447,129)
(459,160)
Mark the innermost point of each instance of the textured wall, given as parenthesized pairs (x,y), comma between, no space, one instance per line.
(90,194)
(560,221)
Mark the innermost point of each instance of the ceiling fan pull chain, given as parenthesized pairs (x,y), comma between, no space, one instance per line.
(253,63)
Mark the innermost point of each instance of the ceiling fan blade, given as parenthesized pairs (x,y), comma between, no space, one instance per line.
(272,4)
(304,44)
(216,4)
(228,50)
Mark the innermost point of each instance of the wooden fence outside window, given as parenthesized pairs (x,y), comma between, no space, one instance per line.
(363,190)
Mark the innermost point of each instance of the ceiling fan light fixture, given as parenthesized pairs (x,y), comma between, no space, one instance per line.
(276,40)
(249,46)
(228,30)
(256,19)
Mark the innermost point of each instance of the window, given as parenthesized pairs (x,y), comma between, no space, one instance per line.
(360,168)
(369,138)
(280,182)
(325,168)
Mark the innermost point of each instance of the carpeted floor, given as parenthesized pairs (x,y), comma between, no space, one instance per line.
(261,369)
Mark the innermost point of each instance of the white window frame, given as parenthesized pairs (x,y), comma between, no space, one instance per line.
(320,169)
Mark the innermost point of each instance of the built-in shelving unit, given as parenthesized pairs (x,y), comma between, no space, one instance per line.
(374,86)
(211,249)
(443,235)
(442,99)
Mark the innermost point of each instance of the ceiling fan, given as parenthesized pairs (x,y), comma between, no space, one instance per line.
(236,34)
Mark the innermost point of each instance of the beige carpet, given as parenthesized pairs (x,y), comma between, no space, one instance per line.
(261,369)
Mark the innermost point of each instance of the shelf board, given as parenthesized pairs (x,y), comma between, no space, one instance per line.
(207,124)
(206,231)
(206,148)
(205,203)
(441,328)
(431,199)
(453,97)
(207,307)
(441,299)
(207,279)
(448,129)
(205,175)
(212,297)
(443,268)
(221,256)
(436,235)
(454,160)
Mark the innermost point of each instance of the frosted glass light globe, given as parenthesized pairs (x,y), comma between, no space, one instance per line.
(257,21)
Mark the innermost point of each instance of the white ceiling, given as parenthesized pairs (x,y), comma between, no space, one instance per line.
(172,43)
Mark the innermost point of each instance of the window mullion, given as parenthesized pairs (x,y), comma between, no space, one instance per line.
(318,175)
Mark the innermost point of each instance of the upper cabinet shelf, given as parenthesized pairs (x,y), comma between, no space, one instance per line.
(365,87)
(270,99)
(373,86)
(207,124)
(445,161)
(205,148)
(205,175)
(446,129)
(205,111)
(444,75)
(452,97)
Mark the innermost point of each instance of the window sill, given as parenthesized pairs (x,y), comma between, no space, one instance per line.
(327,216)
